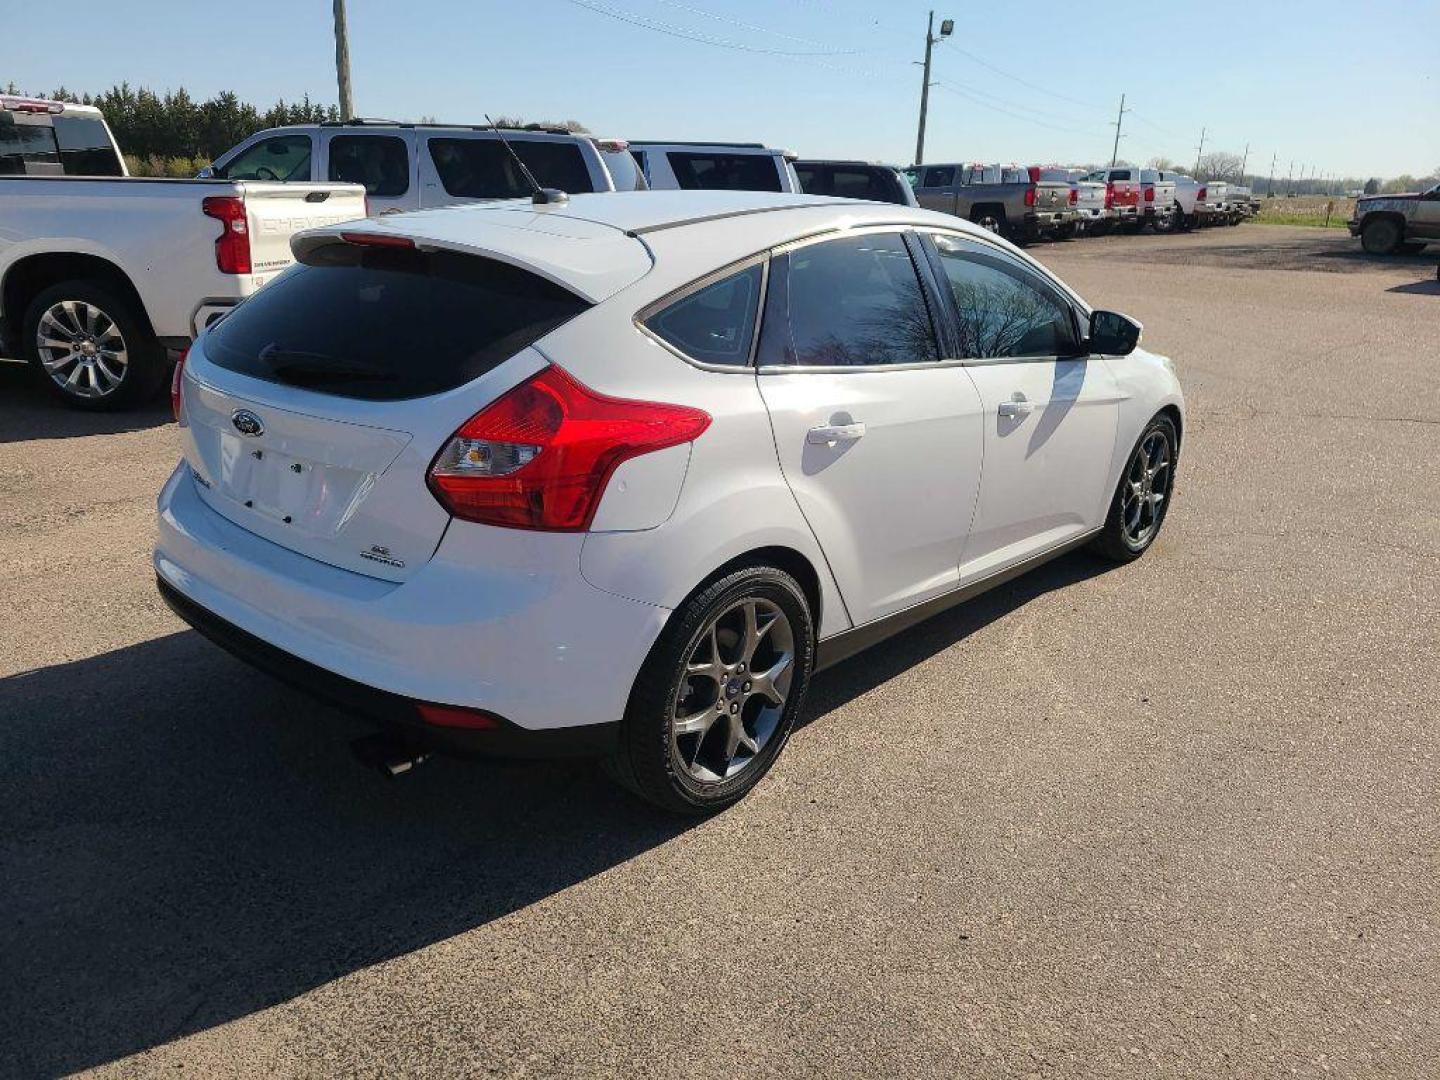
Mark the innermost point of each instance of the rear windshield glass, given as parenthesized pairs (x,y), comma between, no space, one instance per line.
(27,148)
(85,147)
(725,172)
(483,169)
(385,324)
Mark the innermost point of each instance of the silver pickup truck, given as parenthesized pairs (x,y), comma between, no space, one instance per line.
(1387,224)
(1022,204)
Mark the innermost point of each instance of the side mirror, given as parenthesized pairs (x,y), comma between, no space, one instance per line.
(1113,334)
(206,173)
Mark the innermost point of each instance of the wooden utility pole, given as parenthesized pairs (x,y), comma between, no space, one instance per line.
(1199,153)
(342,62)
(1271,193)
(1119,119)
(947,27)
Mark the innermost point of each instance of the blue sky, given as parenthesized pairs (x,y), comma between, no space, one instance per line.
(1345,87)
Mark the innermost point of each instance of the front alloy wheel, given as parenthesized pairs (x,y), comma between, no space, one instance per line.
(82,349)
(1143,495)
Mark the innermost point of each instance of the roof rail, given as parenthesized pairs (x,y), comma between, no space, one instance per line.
(701,142)
(360,121)
(682,222)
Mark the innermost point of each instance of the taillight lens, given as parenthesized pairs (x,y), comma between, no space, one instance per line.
(1149,194)
(540,456)
(177,387)
(1074,196)
(232,248)
(1109,196)
(1200,195)
(1030,196)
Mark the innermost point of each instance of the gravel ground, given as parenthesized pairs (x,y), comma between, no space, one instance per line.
(1172,819)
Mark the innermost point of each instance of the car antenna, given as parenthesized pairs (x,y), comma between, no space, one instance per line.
(541,196)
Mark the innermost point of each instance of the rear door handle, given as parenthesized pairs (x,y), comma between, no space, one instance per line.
(829,434)
(1018,405)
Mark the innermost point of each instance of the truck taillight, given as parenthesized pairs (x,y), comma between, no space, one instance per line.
(540,456)
(232,247)
(1109,195)
(1200,195)
(1074,195)
(1030,196)
(1150,194)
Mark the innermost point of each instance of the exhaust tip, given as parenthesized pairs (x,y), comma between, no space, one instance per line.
(389,754)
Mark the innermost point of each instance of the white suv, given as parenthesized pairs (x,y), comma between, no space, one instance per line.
(620,474)
(693,166)
(414,166)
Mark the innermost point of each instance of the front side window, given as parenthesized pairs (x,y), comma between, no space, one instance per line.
(857,302)
(716,324)
(380,162)
(1003,310)
(724,172)
(85,147)
(484,169)
(281,157)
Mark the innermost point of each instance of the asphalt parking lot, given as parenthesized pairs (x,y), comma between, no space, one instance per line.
(1173,819)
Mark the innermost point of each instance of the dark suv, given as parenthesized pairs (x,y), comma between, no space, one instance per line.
(855,180)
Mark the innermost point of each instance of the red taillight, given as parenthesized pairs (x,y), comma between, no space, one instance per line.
(456,716)
(177,388)
(1109,195)
(232,248)
(1029,196)
(1074,196)
(541,455)
(366,239)
(1149,194)
(1200,195)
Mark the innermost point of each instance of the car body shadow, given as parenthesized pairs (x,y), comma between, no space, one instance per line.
(29,412)
(834,687)
(1419,288)
(184,841)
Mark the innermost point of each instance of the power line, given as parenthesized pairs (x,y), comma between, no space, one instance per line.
(971,97)
(671,30)
(1023,82)
(758,29)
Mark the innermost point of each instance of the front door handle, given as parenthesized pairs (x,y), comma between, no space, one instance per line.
(1018,405)
(830,434)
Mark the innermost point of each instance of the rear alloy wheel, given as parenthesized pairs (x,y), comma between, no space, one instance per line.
(1143,494)
(990,222)
(91,347)
(720,689)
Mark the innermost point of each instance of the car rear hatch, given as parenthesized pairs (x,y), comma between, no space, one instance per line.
(312,413)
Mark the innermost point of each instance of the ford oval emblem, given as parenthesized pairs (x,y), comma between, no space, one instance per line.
(247,423)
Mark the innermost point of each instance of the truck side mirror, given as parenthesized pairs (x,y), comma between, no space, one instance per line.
(1113,334)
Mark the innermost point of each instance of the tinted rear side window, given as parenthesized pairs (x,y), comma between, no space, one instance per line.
(384,324)
(85,147)
(624,170)
(27,148)
(724,172)
(482,169)
(716,324)
(857,301)
(872,184)
(939,176)
(380,162)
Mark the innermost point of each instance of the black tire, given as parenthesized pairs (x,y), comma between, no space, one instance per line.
(144,371)
(645,757)
(1117,540)
(1410,247)
(1381,236)
(991,219)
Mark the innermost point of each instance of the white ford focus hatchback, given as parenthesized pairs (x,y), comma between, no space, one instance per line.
(619,474)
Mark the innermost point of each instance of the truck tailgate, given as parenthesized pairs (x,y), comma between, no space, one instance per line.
(275,212)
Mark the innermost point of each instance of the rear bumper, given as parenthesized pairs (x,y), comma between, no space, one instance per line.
(497,620)
(392,711)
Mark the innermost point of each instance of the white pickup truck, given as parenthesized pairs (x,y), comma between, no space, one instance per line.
(102,276)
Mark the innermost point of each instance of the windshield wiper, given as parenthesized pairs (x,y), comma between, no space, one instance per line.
(301,367)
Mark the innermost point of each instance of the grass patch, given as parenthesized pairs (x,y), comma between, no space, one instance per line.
(1306,210)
